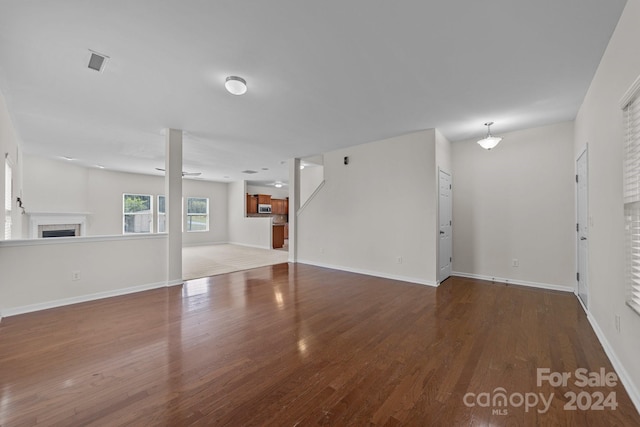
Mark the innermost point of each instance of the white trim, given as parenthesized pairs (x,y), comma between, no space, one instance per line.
(36,219)
(630,94)
(8,159)
(83,298)
(627,382)
(80,239)
(311,197)
(437,229)
(371,273)
(584,152)
(515,282)
(175,282)
(581,303)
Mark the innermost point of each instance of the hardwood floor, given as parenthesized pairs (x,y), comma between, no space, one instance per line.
(300,345)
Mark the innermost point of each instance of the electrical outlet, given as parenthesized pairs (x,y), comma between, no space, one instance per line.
(75,275)
(399,260)
(617,323)
(515,262)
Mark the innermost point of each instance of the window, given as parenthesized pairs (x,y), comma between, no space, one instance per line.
(137,213)
(631,106)
(197,214)
(8,199)
(162,216)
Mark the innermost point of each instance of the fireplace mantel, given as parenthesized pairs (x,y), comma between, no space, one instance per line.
(37,219)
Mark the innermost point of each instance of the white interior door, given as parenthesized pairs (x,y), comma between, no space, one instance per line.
(582,227)
(445,244)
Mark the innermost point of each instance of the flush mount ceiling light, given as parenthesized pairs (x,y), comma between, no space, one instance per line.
(489,141)
(183,172)
(236,85)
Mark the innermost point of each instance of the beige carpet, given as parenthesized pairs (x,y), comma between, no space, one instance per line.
(203,261)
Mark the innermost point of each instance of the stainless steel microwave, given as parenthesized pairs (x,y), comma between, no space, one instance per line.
(264,209)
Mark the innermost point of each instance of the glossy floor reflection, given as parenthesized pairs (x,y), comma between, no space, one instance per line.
(301,345)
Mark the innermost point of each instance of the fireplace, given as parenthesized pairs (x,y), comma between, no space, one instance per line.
(58,224)
(67,232)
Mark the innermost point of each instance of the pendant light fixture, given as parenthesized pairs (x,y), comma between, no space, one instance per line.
(489,141)
(236,85)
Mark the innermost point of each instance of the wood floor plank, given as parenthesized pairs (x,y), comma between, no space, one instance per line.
(293,344)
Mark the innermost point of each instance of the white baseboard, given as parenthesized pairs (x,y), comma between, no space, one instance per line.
(514,282)
(6,312)
(371,273)
(627,382)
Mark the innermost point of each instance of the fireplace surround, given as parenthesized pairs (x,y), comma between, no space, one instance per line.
(59,223)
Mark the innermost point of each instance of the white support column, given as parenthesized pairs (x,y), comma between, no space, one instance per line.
(173,204)
(294,205)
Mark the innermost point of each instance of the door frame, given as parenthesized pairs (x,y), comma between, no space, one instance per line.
(438,278)
(583,152)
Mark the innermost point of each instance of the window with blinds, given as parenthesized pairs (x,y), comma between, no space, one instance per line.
(630,104)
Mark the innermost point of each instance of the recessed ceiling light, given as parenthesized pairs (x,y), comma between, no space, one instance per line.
(278,185)
(236,85)
(301,166)
(68,158)
(100,166)
(249,171)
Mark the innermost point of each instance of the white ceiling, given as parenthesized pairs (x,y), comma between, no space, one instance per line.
(321,75)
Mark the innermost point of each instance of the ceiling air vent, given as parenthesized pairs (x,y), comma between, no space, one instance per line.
(97,61)
(249,171)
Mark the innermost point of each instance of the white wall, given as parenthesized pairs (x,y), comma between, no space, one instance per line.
(254,232)
(516,201)
(276,193)
(54,185)
(443,153)
(310,178)
(60,186)
(379,207)
(10,144)
(599,123)
(37,274)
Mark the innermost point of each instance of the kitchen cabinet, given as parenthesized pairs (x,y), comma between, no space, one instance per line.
(264,199)
(280,206)
(252,204)
(276,206)
(278,236)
